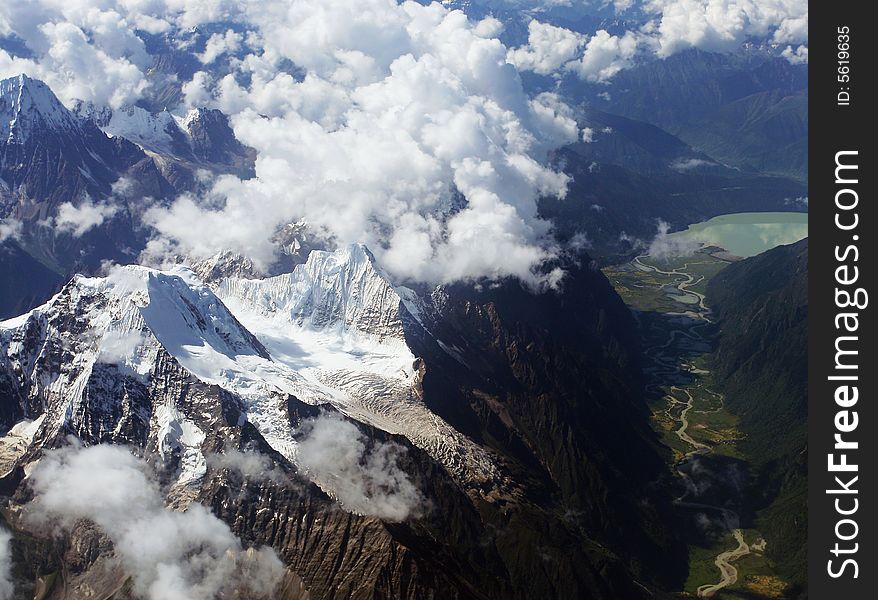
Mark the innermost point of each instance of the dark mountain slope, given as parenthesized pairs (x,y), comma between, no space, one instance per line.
(617,205)
(552,382)
(694,83)
(766,132)
(52,157)
(761,366)
(748,110)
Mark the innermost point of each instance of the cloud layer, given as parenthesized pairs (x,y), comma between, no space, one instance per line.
(77,220)
(170,555)
(669,27)
(367,481)
(399,125)
(409,132)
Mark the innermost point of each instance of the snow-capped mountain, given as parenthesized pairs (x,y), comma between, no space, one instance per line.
(157,133)
(50,155)
(339,322)
(67,359)
(28,106)
(500,399)
(213,141)
(330,333)
(104,167)
(200,135)
(503,412)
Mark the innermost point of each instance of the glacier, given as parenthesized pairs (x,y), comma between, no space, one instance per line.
(330,333)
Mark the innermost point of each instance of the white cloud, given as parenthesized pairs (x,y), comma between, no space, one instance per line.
(83,50)
(77,220)
(196,91)
(250,463)
(723,25)
(219,44)
(10,229)
(587,135)
(366,481)
(392,109)
(605,55)
(489,27)
(664,245)
(88,49)
(170,555)
(7,588)
(548,48)
(670,27)
(687,164)
(401,106)
(117,347)
(552,50)
(799,56)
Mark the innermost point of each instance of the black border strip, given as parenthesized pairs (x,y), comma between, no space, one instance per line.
(840,123)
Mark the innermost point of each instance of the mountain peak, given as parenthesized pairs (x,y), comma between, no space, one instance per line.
(27,105)
(344,289)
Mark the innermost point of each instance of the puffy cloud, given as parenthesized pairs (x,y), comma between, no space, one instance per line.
(799,56)
(399,125)
(196,91)
(366,481)
(83,50)
(605,55)
(489,27)
(9,229)
(403,110)
(687,164)
(116,347)
(548,48)
(7,588)
(77,220)
(664,245)
(73,42)
(723,25)
(219,44)
(670,26)
(250,463)
(587,135)
(553,50)
(170,555)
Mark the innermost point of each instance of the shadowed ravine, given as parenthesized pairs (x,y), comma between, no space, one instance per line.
(667,371)
(676,324)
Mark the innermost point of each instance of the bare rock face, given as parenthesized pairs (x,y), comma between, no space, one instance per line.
(508,419)
(117,163)
(51,155)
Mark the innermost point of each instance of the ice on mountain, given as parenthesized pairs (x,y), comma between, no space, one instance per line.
(28,105)
(333,331)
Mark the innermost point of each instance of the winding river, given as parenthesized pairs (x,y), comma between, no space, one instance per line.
(667,372)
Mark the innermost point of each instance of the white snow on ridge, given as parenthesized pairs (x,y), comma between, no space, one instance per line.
(335,313)
(339,322)
(330,332)
(151,132)
(169,310)
(27,104)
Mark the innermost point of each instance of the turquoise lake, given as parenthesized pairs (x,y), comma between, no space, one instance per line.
(747,234)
